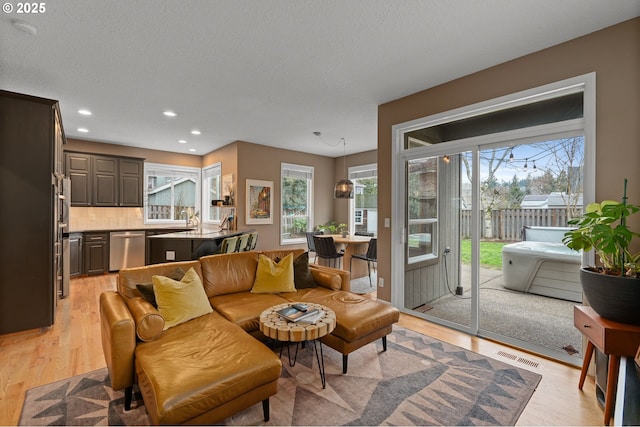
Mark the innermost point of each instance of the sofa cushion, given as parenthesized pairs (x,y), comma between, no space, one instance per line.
(219,362)
(146,289)
(302,276)
(244,308)
(274,277)
(180,301)
(356,316)
(327,279)
(128,278)
(229,273)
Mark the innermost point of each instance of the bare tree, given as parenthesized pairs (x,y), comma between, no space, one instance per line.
(491,194)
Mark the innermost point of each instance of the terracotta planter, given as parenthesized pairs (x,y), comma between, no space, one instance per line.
(614,298)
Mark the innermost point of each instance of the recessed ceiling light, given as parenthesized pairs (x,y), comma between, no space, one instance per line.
(182,141)
(83,130)
(169,113)
(196,132)
(84,112)
(193,150)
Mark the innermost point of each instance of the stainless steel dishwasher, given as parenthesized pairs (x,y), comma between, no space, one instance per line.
(126,249)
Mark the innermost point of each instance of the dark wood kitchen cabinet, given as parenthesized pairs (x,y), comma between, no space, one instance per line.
(31,245)
(75,254)
(96,253)
(78,169)
(103,180)
(130,176)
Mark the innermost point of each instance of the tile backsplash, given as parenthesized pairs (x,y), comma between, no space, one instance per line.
(103,218)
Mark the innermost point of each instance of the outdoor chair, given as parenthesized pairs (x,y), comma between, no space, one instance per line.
(326,249)
(371,257)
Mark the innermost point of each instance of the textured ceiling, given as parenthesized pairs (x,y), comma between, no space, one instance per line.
(272,71)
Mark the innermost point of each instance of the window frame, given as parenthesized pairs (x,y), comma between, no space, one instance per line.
(208,172)
(309,207)
(173,170)
(432,221)
(353,172)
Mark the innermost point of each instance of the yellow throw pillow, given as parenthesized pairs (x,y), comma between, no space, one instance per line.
(179,301)
(273,277)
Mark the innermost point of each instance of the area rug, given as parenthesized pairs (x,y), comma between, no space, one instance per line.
(417,381)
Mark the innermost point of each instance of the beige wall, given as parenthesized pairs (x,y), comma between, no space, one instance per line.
(613,54)
(263,163)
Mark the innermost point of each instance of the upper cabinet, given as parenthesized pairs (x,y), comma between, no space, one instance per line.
(105,181)
(78,169)
(131,175)
(102,180)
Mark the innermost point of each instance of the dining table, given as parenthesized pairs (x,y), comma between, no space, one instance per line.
(351,245)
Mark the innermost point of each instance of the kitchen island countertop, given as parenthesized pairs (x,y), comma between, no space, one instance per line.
(201,234)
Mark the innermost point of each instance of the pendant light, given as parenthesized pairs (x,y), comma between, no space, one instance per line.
(344,186)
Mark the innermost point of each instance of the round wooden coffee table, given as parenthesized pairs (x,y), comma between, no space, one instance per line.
(273,326)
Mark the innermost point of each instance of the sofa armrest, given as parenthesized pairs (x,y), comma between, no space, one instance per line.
(117,328)
(148,320)
(325,277)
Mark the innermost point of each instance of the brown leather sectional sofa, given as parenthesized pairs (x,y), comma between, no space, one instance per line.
(206,369)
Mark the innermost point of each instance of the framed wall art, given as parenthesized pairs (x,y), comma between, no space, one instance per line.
(259,206)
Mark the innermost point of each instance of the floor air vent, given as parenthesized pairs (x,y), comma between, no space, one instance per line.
(507,355)
(518,359)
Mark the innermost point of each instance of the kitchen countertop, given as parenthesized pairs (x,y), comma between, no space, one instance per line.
(201,234)
(141,228)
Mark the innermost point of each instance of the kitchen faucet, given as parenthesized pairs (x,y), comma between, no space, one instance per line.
(186,216)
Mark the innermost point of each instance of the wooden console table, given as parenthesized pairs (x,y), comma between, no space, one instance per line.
(613,339)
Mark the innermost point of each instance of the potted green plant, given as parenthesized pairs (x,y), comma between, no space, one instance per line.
(332,227)
(612,288)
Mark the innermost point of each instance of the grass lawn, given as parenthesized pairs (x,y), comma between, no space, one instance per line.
(490,253)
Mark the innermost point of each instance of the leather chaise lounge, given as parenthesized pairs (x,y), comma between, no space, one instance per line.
(206,369)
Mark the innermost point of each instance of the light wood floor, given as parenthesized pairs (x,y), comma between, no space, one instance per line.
(72,346)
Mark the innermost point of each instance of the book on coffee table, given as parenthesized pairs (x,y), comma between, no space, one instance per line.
(292,314)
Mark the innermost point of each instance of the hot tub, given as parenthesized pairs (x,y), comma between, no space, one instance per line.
(543,268)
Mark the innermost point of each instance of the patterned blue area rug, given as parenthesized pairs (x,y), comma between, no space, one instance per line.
(417,381)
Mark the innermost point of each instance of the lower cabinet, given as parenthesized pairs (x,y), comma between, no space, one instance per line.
(75,254)
(96,253)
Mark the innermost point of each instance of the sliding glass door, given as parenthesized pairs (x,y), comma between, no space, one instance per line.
(486,199)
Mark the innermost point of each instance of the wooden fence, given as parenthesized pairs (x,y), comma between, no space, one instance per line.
(507,224)
(165,212)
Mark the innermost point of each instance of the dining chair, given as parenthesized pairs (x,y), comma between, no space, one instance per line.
(326,249)
(311,244)
(363,233)
(371,257)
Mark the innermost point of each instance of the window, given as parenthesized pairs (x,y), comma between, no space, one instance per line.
(297,208)
(364,206)
(211,190)
(171,193)
(357,217)
(422,208)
